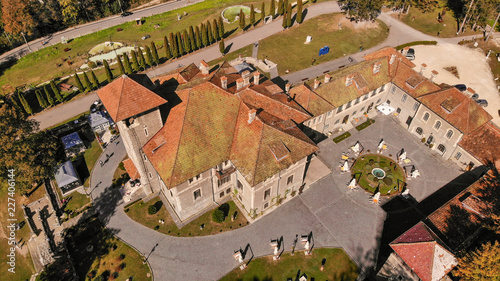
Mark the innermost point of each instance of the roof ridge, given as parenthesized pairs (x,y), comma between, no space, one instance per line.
(288,133)
(120,98)
(288,106)
(254,170)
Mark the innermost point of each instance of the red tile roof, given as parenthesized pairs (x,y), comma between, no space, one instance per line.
(127,96)
(308,99)
(458,109)
(412,82)
(131,169)
(483,143)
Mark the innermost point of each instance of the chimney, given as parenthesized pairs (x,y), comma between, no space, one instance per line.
(251,115)
(469,92)
(239,83)
(393,58)
(316,84)
(287,87)
(376,67)
(204,67)
(246,77)
(433,75)
(348,80)
(223,82)
(327,78)
(256,78)
(422,68)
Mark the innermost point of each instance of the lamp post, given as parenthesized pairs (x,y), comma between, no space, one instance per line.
(29,48)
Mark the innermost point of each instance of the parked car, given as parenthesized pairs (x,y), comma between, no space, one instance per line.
(145,37)
(410,54)
(126,14)
(483,103)
(475,96)
(460,87)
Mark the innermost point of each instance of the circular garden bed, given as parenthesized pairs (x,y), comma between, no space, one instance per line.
(374,171)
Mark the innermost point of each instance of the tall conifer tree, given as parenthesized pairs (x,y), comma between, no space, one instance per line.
(50,99)
(215,30)
(272,9)
(86,81)
(135,62)
(299,11)
(149,56)
(56,91)
(197,37)
(209,32)
(142,60)
(41,100)
(95,82)
(262,12)
(154,51)
(168,51)
(221,27)
(173,45)
(126,62)
(186,41)
(242,20)
(204,35)
(252,15)
(79,82)
(120,65)
(26,105)
(180,44)
(192,40)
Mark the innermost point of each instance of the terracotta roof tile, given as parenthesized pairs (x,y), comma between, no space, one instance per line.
(311,102)
(131,169)
(412,82)
(126,97)
(483,143)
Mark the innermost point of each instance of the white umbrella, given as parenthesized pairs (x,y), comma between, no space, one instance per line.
(381,144)
(346,166)
(376,197)
(402,156)
(352,184)
(356,147)
(415,174)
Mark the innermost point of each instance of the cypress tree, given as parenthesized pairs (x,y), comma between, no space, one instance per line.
(50,100)
(280,8)
(120,65)
(79,82)
(252,15)
(168,52)
(186,41)
(272,9)
(289,16)
(262,12)
(135,62)
(215,30)
(299,11)
(192,41)
(126,62)
(204,35)
(25,104)
(197,36)
(57,94)
(173,45)
(15,103)
(209,31)
(221,27)
(109,74)
(180,44)
(149,56)
(86,81)
(242,20)
(222,47)
(283,22)
(95,82)
(142,60)
(156,58)
(41,100)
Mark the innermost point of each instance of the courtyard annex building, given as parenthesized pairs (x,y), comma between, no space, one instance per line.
(197,135)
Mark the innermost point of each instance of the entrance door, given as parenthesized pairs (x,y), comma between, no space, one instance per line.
(408,121)
(430,140)
(346,118)
(369,107)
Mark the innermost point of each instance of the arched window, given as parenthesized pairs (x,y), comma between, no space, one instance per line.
(441,148)
(449,134)
(437,125)
(419,131)
(426,116)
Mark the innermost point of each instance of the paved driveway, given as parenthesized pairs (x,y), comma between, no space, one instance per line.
(337,217)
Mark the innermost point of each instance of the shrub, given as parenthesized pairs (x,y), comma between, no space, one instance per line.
(157,227)
(152,210)
(342,137)
(92,64)
(387,181)
(218,216)
(414,43)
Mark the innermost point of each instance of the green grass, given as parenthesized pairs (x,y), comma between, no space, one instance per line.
(91,155)
(415,43)
(24,266)
(363,167)
(341,137)
(76,200)
(427,22)
(338,266)
(231,13)
(365,124)
(139,213)
(294,55)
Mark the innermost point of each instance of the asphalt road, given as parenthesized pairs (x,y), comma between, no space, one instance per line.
(92,27)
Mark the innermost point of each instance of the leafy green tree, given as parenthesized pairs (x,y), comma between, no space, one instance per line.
(252,15)
(120,64)
(168,51)
(222,47)
(24,102)
(215,30)
(221,27)
(173,45)
(156,58)
(482,264)
(95,82)
(272,9)
(242,20)
(262,11)
(211,38)
(56,92)
(86,81)
(149,56)
(197,36)
(41,100)
(361,10)
(281,9)
(128,67)
(192,40)
(299,11)
(152,209)
(204,35)
(50,100)
(186,41)
(79,82)
(218,216)
(180,44)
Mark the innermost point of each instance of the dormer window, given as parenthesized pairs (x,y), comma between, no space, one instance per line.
(376,67)
(348,80)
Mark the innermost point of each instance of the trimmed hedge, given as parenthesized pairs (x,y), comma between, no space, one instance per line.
(341,137)
(365,124)
(414,43)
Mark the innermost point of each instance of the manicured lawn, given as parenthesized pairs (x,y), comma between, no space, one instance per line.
(139,213)
(341,137)
(428,23)
(24,266)
(91,155)
(294,55)
(76,200)
(104,257)
(337,266)
(364,166)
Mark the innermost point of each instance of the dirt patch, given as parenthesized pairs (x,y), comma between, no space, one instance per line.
(453,70)
(331,24)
